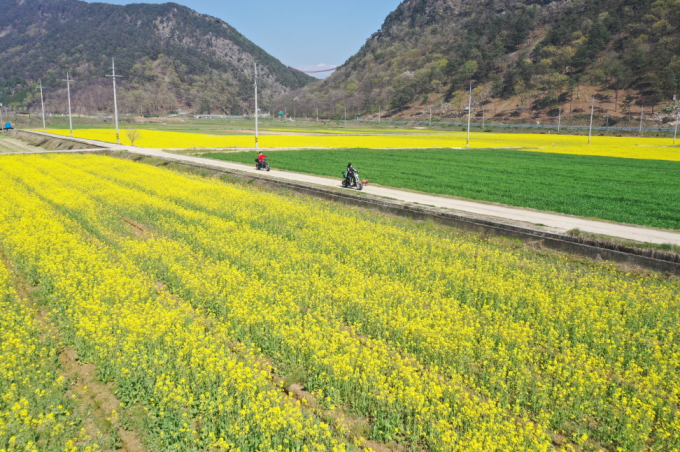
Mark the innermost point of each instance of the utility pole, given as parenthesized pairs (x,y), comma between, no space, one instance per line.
(592,112)
(483,119)
(256,124)
(677,118)
(345,115)
(42,101)
(379,112)
(68,89)
(467,143)
(559,119)
(571,95)
(642,109)
(430,116)
(115,99)
(317,115)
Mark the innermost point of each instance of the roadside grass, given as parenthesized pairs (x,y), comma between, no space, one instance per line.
(668,247)
(635,191)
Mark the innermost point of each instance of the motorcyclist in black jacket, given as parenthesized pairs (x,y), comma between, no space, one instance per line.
(349,172)
(351,179)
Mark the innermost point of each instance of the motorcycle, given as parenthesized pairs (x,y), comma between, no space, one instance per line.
(352,179)
(262,165)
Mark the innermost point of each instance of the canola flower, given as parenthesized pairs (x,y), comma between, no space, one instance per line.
(445,342)
(420,396)
(35,412)
(625,147)
(199,389)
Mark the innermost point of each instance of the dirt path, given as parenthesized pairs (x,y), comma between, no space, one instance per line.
(43,151)
(95,400)
(98,400)
(12,146)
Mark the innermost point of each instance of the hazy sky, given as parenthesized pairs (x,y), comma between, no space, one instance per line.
(304,34)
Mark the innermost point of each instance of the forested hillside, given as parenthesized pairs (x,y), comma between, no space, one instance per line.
(534,52)
(170,57)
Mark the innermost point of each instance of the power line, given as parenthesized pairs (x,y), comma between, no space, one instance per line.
(313,72)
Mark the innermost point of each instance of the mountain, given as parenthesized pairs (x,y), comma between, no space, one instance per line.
(520,54)
(169,56)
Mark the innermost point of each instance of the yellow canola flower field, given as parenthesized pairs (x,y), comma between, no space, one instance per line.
(358,131)
(425,336)
(625,147)
(35,412)
(199,390)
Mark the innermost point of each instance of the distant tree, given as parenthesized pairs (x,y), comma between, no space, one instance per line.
(628,102)
(402,96)
(133,135)
(674,67)
(468,70)
(205,105)
(668,81)
(668,10)
(596,42)
(551,85)
(620,78)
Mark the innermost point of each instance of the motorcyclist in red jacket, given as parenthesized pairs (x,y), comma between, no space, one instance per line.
(261,163)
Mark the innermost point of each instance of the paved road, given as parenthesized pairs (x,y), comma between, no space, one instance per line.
(556,222)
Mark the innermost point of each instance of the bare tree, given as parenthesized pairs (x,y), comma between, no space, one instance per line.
(133,135)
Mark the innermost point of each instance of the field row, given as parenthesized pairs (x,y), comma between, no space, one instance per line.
(200,300)
(184,371)
(36,412)
(628,147)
